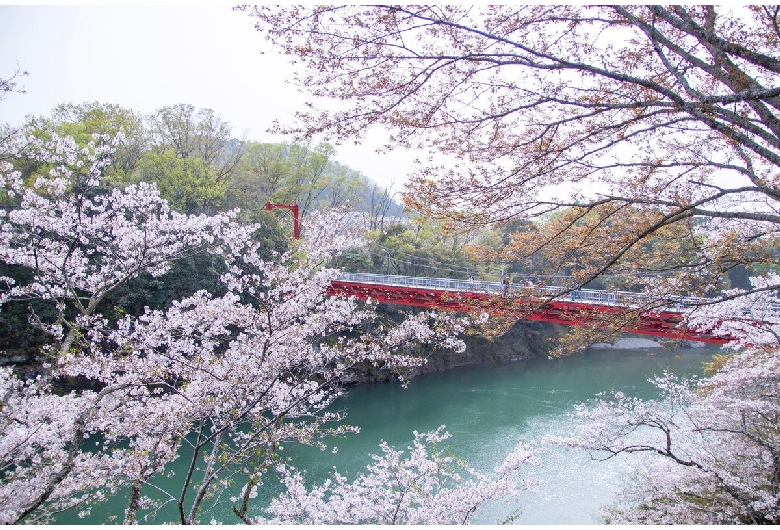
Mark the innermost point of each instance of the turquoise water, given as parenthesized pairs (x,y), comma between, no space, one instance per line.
(489,409)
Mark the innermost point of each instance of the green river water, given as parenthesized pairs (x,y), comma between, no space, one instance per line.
(488,409)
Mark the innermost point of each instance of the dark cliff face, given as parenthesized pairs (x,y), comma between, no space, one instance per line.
(524,340)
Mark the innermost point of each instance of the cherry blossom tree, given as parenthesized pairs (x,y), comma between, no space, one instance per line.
(751,316)
(428,487)
(710,448)
(217,381)
(10,84)
(643,142)
(646,134)
(80,243)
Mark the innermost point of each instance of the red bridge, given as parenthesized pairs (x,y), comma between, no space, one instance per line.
(582,307)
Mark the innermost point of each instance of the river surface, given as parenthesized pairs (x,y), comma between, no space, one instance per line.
(489,409)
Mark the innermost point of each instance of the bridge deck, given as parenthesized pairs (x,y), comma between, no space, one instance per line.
(585,307)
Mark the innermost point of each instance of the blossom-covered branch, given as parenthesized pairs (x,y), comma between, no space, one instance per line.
(229,375)
(426,485)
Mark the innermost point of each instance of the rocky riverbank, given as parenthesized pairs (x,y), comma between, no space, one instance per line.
(524,340)
(638,343)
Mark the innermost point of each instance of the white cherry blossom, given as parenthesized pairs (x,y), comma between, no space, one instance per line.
(232,377)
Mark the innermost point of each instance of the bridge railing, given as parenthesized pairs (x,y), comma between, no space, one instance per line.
(444,284)
(589,296)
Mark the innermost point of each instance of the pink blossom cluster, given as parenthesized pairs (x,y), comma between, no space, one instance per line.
(706,452)
(231,377)
(428,487)
(751,317)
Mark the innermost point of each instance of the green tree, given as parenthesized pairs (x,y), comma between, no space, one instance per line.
(84,120)
(197,133)
(307,175)
(422,247)
(259,175)
(299,174)
(344,188)
(189,184)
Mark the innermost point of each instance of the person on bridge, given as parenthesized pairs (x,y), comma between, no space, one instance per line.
(507,283)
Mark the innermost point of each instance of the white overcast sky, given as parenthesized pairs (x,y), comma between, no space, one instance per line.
(147,57)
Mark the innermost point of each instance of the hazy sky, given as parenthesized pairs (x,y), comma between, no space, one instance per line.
(147,57)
